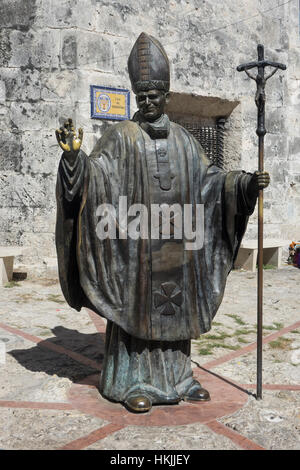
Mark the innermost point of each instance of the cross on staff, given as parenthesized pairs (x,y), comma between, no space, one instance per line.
(260,99)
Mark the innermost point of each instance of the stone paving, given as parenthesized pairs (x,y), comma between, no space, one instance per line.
(50,361)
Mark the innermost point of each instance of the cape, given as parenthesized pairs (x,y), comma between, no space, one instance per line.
(114,277)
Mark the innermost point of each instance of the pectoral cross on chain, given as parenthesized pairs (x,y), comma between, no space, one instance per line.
(163,165)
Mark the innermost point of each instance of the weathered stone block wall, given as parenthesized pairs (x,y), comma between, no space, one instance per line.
(51,51)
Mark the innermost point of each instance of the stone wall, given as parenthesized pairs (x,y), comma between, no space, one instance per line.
(51,51)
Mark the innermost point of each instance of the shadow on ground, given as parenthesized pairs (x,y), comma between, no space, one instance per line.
(41,359)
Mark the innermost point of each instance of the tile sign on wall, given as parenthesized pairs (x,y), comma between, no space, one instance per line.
(110,103)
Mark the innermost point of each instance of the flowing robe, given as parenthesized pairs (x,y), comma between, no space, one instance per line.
(152,292)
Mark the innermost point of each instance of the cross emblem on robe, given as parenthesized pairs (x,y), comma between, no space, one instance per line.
(169,296)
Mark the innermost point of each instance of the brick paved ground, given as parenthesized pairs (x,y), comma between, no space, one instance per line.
(51,360)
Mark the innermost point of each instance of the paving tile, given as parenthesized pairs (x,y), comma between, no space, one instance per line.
(26,429)
(273,422)
(188,437)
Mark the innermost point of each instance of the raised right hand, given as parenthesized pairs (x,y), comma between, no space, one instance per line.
(68,141)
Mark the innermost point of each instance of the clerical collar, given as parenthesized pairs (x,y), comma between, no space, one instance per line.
(158,129)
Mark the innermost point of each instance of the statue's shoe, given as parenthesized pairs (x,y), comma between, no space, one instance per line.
(138,403)
(197,393)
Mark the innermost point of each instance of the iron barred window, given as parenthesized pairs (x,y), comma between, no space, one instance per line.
(210,137)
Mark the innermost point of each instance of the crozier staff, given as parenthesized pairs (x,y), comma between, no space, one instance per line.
(260,99)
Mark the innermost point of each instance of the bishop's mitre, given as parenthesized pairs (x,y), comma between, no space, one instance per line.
(148,65)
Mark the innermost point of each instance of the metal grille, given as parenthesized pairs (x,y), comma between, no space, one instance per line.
(210,137)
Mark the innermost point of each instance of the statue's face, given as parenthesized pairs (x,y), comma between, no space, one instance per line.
(152,103)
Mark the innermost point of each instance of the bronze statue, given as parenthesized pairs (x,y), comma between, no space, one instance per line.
(154,292)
